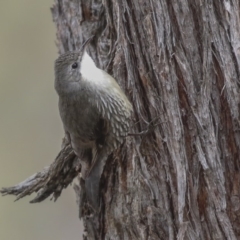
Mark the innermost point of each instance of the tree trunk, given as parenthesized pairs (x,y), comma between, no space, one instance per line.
(179,64)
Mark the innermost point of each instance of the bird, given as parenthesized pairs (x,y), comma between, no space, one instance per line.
(95,112)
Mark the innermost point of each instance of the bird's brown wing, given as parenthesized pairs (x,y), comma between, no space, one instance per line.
(101,131)
(93,176)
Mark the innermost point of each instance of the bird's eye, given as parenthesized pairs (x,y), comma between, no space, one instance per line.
(75,65)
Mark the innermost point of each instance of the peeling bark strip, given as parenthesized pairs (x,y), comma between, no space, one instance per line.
(177,61)
(51,180)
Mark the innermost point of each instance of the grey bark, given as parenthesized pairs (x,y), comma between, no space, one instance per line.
(178,62)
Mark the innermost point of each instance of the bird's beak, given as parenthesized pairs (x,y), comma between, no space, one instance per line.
(85,44)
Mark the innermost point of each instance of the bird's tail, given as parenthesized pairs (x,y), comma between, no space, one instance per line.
(92,181)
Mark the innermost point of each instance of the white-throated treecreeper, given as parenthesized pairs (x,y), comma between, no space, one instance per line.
(95,114)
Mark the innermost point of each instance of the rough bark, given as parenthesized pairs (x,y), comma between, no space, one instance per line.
(178,62)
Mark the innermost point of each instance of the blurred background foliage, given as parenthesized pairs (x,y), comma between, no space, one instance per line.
(30,127)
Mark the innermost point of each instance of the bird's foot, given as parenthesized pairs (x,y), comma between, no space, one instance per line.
(150,127)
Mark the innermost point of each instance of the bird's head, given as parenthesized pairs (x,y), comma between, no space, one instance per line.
(68,68)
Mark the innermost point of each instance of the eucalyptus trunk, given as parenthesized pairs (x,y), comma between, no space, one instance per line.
(178,62)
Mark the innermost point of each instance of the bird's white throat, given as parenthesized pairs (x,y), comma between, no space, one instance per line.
(88,69)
